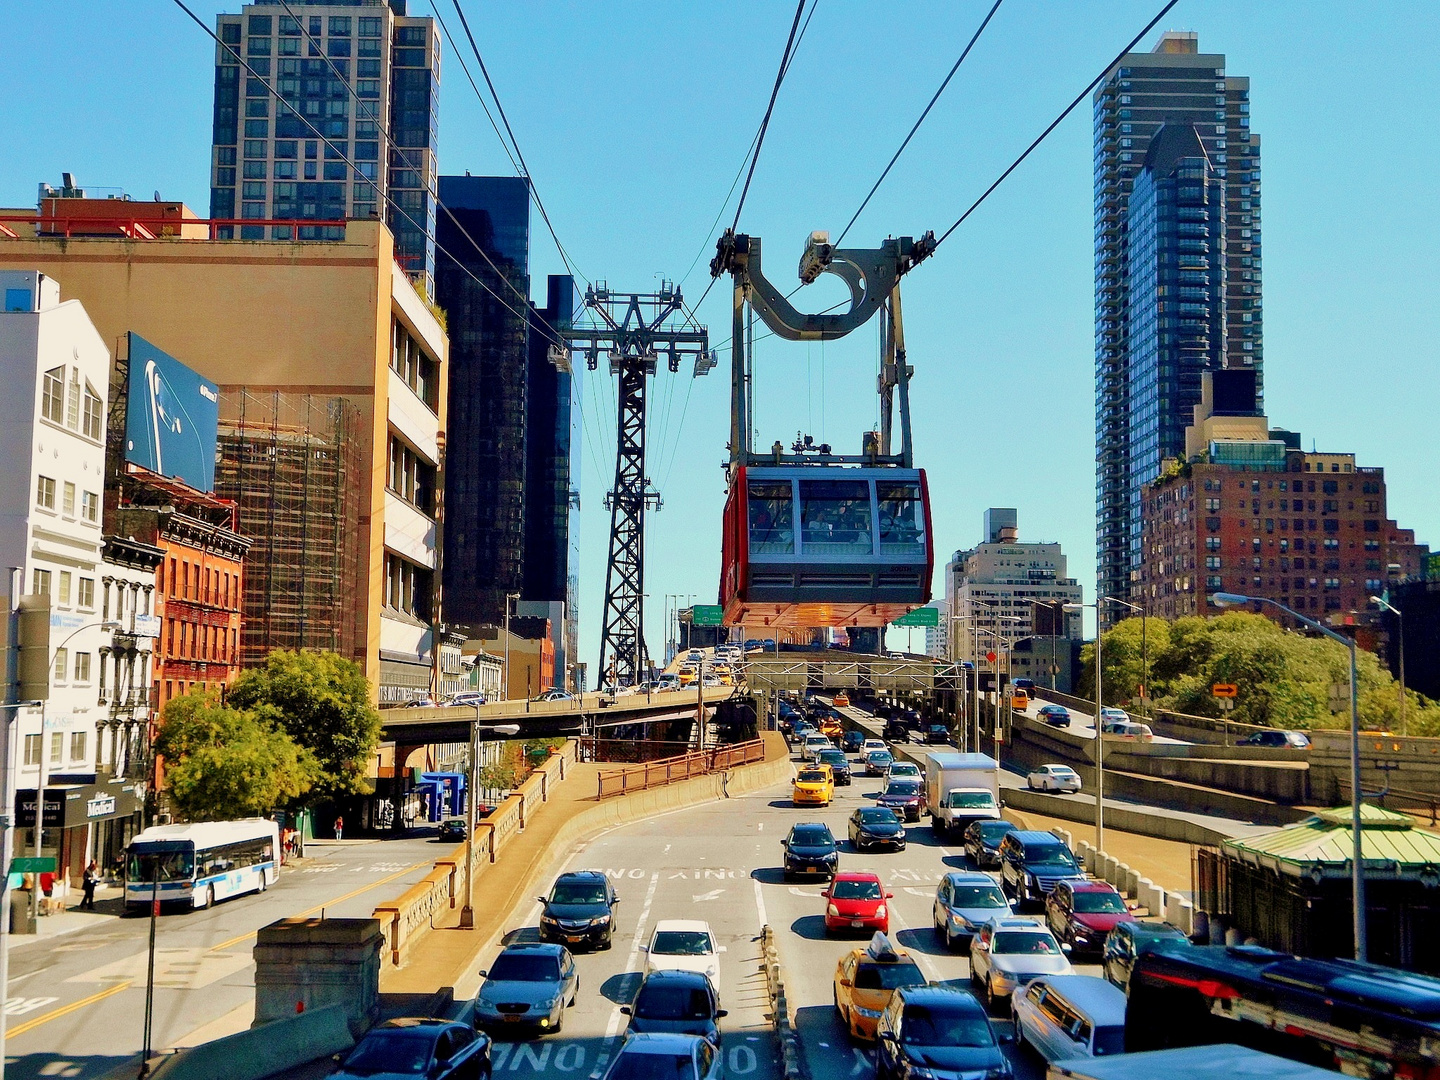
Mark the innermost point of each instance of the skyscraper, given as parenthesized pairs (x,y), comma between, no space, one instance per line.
(1179,87)
(355,72)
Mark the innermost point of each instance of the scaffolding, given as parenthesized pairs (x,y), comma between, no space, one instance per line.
(292,462)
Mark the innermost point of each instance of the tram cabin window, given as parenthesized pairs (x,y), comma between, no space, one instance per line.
(772,518)
(835,514)
(902,517)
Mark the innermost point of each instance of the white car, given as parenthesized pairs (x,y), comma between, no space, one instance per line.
(669,681)
(1111,713)
(1009,951)
(1053,778)
(1128,730)
(903,770)
(684,945)
(869,746)
(814,744)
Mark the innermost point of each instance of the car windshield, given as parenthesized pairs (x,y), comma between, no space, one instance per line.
(992,830)
(877,815)
(811,836)
(902,787)
(924,1026)
(811,776)
(1049,854)
(633,1066)
(970,800)
(880,757)
(973,896)
(833,757)
(856,890)
(681,943)
(672,1003)
(524,967)
(904,768)
(1017,943)
(391,1052)
(888,976)
(1099,903)
(578,892)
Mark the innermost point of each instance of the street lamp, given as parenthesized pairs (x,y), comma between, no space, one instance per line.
(1382,602)
(467,912)
(1099,725)
(1144,652)
(1357,869)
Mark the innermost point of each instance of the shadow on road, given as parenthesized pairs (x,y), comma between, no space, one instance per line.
(811,927)
(925,941)
(769,875)
(621,988)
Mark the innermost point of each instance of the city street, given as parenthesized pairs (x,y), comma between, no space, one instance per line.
(77,1000)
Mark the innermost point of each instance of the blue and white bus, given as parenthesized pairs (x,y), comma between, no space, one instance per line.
(201,863)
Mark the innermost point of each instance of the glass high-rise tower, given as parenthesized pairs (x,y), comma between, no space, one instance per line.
(1143,386)
(353,71)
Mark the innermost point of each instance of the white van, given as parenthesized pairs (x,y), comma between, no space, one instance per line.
(1070,1016)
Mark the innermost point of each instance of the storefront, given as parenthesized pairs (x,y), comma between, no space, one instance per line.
(82,822)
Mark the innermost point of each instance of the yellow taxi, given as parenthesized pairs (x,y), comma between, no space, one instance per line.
(865,979)
(831,728)
(687,676)
(1019,700)
(814,786)
(842,700)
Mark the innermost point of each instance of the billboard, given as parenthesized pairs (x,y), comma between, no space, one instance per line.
(171,417)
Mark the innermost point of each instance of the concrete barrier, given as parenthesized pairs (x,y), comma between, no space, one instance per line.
(1112,870)
(1131,880)
(1148,896)
(1180,912)
(1064,834)
(263,1051)
(1130,819)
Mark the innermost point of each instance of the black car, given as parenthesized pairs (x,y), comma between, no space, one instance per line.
(852,740)
(580,910)
(453,829)
(440,1049)
(1055,715)
(810,851)
(876,827)
(937,1030)
(896,730)
(1031,862)
(982,840)
(904,796)
(1128,941)
(1287,740)
(839,765)
(937,734)
(530,985)
(678,1003)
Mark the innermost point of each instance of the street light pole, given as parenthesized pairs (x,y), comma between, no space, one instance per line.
(1144,652)
(467,910)
(1400,628)
(1357,861)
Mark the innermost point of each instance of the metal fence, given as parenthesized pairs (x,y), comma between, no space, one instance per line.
(684,767)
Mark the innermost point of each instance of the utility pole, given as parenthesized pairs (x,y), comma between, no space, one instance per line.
(633,329)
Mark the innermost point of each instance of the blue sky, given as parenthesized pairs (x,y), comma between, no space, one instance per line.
(634,118)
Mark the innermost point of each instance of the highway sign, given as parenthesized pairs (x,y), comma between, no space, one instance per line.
(990,656)
(922,616)
(1225,689)
(33,865)
(707,615)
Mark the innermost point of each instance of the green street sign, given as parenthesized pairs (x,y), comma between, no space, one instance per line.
(923,616)
(707,615)
(33,865)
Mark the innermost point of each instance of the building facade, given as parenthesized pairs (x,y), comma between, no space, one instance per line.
(1175,85)
(332,115)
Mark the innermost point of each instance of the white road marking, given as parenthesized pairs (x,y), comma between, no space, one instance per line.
(612,1029)
(742,1060)
(922,893)
(713,894)
(19,1006)
(759,901)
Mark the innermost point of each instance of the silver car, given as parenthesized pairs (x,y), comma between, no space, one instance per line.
(674,1057)
(964,902)
(1010,951)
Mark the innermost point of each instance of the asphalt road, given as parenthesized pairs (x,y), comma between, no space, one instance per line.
(76,1001)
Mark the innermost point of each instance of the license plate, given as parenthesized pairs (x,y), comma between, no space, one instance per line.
(812,870)
(857,923)
(574,937)
(512,1018)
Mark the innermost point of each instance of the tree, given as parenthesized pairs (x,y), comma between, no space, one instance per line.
(322,701)
(224,763)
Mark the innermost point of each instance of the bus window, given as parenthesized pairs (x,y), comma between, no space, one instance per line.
(902,517)
(172,866)
(772,519)
(835,514)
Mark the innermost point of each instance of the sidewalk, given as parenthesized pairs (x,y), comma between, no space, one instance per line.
(109,904)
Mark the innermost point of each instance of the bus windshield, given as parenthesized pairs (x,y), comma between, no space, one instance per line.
(161,864)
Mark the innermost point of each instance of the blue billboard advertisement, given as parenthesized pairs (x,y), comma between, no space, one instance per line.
(171,419)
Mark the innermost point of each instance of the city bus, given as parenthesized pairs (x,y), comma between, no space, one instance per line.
(201,863)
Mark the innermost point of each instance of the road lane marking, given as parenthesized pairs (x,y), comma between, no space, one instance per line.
(612,1028)
(759,900)
(19,1006)
(713,894)
(55,1014)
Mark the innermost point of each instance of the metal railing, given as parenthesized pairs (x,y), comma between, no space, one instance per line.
(684,767)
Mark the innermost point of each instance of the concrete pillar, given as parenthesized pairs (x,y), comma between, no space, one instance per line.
(1112,870)
(1064,834)
(1095,862)
(1131,886)
(1082,851)
(303,964)
(1181,913)
(1149,897)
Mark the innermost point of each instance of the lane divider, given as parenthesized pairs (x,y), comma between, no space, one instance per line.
(612,1028)
(791,1061)
(55,1014)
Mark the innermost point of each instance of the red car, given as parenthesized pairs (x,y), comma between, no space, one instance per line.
(1081,912)
(855,900)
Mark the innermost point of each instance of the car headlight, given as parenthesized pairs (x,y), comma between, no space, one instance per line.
(549,920)
(833,911)
(868,1014)
(832,856)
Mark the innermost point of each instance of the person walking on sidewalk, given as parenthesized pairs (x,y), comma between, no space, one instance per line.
(92,877)
(339,827)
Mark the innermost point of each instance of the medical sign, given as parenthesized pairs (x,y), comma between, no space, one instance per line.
(171,418)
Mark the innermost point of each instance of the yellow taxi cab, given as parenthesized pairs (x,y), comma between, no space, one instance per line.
(1019,700)
(687,676)
(831,728)
(814,786)
(865,979)
(842,700)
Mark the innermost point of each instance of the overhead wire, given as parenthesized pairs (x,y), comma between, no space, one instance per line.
(434,7)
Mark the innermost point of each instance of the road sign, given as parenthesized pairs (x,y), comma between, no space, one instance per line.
(1225,689)
(922,616)
(990,656)
(33,865)
(707,615)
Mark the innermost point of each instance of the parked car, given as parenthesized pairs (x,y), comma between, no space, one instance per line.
(982,840)
(877,762)
(837,763)
(530,985)
(453,829)
(651,1055)
(1031,862)
(676,1003)
(1292,740)
(1070,1016)
(855,900)
(469,698)
(1054,715)
(1081,913)
(1060,778)
(684,945)
(554,694)
(1009,951)
(937,734)
(937,1030)
(1128,941)
(580,910)
(874,827)
(866,978)
(966,900)
(814,786)
(435,1049)
(810,851)
(852,740)
(905,796)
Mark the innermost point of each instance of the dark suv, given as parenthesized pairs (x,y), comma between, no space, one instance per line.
(579,910)
(1032,862)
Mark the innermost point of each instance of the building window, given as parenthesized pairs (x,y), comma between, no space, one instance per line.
(414,366)
(32,749)
(45,493)
(62,664)
(90,506)
(93,408)
(72,405)
(1212,562)
(67,500)
(77,746)
(82,667)
(52,396)
(41,583)
(86,597)
(63,599)
(57,747)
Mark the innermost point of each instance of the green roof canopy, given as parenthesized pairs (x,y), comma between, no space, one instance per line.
(1322,845)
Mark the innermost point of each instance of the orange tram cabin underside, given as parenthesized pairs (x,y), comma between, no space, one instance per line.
(825,545)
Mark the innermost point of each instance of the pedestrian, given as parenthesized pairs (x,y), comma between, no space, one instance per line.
(47,890)
(339,827)
(91,879)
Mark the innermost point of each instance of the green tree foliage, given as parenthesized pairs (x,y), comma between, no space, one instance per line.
(322,701)
(224,763)
(1285,679)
